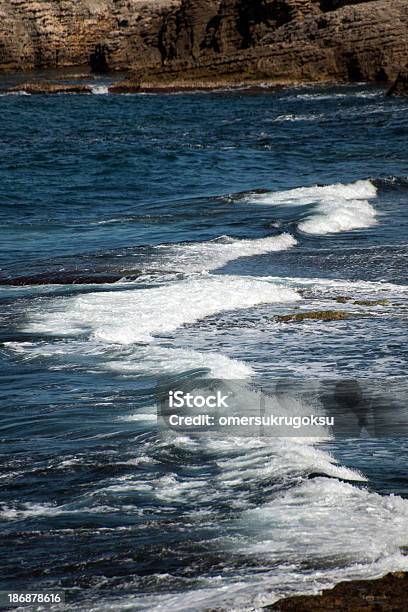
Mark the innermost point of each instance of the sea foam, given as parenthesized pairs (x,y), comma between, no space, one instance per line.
(337,208)
(99,90)
(213,254)
(164,360)
(127,317)
(363,527)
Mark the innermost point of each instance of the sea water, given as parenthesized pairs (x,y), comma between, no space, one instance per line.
(214,213)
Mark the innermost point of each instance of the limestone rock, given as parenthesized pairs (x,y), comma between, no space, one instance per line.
(285,40)
(61,33)
(318,315)
(128,86)
(170,42)
(342,299)
(400,85)
(51,88)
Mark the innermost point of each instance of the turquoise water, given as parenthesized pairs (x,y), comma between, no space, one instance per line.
(155,238)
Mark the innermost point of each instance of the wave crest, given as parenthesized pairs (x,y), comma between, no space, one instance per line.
(336,208)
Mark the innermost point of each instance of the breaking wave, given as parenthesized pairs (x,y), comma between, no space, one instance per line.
(141,314)
(335,208)
(213,254)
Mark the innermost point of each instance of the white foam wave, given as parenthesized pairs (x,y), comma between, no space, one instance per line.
(34,510)
(136,316)
(335,96)
(308,195)
(150,417)
(14,93)
(337,208)
(328,285)
(335,216)
(27,510)
(154,359)
(340,528)
(163,360)
(355,526)
(291,117)
(99,89)
(210,255)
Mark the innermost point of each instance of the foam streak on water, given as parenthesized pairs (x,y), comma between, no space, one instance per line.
(143,313)
(197,257)
(336,208)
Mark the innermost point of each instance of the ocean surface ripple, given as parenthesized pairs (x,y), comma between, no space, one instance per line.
(155,239)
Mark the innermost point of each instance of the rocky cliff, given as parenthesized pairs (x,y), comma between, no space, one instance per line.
(61,33)
(182,41)
(286,39)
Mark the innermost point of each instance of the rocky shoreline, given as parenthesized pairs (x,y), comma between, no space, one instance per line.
(209,43)
(132,85)
(386,594)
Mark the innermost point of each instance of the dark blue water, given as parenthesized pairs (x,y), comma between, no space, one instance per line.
(156,238)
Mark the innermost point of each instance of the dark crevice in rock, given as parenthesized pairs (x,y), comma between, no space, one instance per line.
(98,60)
(258,18)
(333,5)
(354,71)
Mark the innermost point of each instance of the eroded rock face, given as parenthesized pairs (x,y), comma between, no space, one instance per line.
(35,34)
(400,85)
(167,42)
(60,33)
(51,88)
(200,30)
(304,40)
(127,86)
(134,38)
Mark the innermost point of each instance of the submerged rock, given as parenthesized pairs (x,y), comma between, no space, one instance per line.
(79,277)
(388,594)
(400,85)
(63,278)
(383,302)
(319,315)
(51,88)
(341,299)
